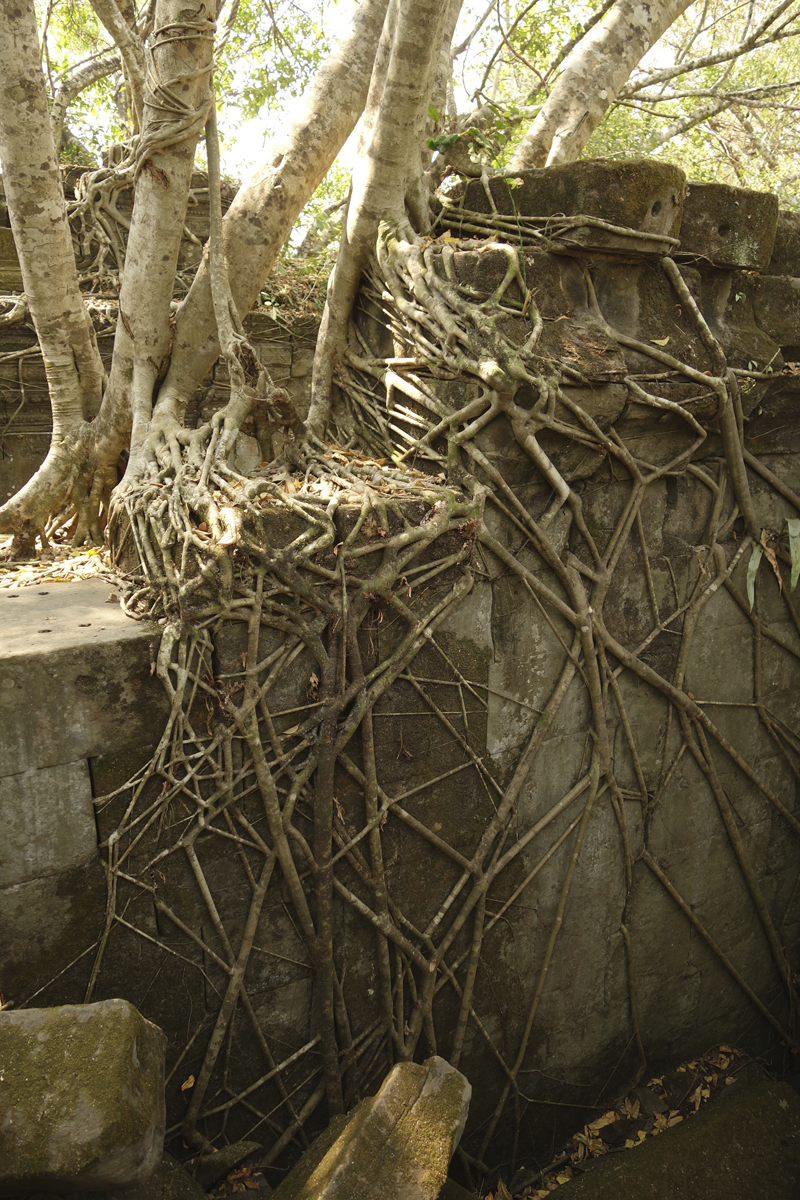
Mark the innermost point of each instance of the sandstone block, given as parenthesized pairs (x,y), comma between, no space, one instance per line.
(69,639)
(81,1097)
(46,924)
(47,817)
(729,226)
(641,194)
(786,251)
(776,305)
(395,1146)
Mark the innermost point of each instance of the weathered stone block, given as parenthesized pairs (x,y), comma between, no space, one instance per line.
(776,306)
(729,226)
(81,1097)
(46,925)
(641,194)
(47,819)
(786,251)
(70,640)
(397,1144)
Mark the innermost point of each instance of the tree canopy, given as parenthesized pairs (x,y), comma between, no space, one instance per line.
(718,94)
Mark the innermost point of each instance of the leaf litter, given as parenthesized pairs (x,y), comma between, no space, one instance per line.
(647,1111)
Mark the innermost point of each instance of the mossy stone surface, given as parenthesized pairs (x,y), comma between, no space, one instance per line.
(640,194)
(81,1097)
(729,226)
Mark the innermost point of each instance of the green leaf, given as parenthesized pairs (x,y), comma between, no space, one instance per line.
(441,143)
(794,549)
(433,112)
(752,567)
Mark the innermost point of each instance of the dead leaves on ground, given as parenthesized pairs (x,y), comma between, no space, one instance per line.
(243,1179)
(664,1102)
(60,564)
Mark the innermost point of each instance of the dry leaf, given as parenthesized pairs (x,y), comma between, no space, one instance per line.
(659,341)
(187,1083)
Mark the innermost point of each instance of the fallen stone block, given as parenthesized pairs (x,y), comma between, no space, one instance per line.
(728,226)
(742,1146)
(81,1098)
(395,1145)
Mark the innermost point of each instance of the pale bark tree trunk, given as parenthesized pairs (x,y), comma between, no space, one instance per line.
(74,84)
(591,80)
(130,47)
(177,103)
(268,203)
(32,182)
(387,164)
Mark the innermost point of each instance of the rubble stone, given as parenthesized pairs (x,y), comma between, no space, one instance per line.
(396,1145)
(81,1097)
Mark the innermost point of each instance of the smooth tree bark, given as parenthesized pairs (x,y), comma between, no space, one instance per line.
(129,44)
(177,103)
(387,167)
(591,80)
(32,183)
(268,203)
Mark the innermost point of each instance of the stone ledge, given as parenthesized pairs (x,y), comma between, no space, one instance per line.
(67,639)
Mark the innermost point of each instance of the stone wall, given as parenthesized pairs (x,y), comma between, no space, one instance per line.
(448,739)
(286,349)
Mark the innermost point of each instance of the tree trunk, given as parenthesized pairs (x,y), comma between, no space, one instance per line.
(591,80)
(177,103)
(74,84)
(268,203)
(130,47)
(36,204)
(388,162)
